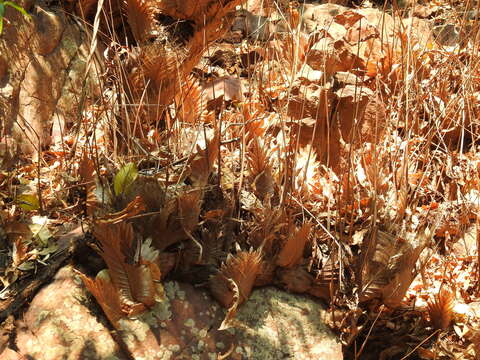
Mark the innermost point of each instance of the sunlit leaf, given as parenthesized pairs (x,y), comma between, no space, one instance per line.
(40,230)
(125,178)
(28,202)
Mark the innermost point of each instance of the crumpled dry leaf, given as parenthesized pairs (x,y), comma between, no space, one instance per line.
(232,310)
(133,208)
(201,162)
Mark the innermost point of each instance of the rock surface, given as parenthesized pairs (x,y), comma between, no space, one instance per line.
(41,83)
(63,322)
(59,324)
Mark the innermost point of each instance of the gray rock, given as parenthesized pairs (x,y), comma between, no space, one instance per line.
(274,324)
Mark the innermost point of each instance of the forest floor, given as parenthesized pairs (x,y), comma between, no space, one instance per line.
(329,151)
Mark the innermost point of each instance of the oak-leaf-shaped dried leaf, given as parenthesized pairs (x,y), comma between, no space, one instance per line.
(292,250)
(440,309)
(242,268)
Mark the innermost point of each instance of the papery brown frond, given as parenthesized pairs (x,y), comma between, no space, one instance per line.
(258,159)
(271,223)
(201,162)
(161,68)
(158,65)
(134,208)
(243,269)
(260,169)
(440,309)
(292,250)
(189,206)
(106,294)
(141,17)
(178,218)
(135,281)
(387,267)
(190,104)
(116,240)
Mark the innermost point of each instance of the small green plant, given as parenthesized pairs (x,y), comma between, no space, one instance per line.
(3,5)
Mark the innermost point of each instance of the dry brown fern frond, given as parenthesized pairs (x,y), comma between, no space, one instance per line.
(260,169)
(258,158)
(242,268)
(440,309)
(212,23)
(177,220)
(271,225)
(135,279)
(106,294)
(292,250)
(387,267)
(190,103)
(141,18)
(181,9)
(160,67)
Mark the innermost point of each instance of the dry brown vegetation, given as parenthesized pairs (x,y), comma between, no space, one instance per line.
(333,160)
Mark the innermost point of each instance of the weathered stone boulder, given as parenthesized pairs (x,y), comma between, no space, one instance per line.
(62,321)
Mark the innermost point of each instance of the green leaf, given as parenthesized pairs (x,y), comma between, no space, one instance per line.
(28,202)
(125,178)
(18,8)
(2,10)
